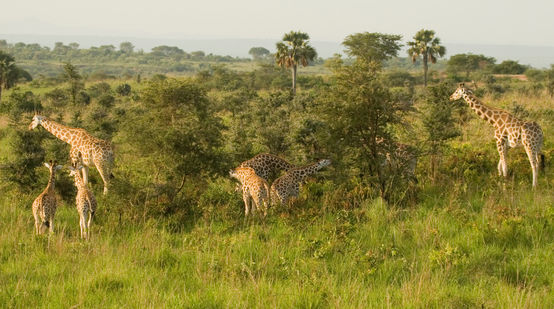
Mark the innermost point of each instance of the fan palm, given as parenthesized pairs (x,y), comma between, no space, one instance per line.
(293,50)
(427,46)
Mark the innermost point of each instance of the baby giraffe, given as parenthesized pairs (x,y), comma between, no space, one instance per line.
(85,201)
(253,188)
(44,206)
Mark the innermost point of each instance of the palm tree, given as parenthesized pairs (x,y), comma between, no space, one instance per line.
(294,50)
(425,44)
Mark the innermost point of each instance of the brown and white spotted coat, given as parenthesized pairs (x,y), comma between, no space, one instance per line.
(85,202)
(45,205)
(288,185)
(254,189)
(509,131)
(85,149)
(265,164)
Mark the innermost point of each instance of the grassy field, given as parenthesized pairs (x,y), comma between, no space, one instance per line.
(471,240)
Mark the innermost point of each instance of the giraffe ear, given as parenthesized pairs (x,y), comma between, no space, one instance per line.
(46,164)
(58,167)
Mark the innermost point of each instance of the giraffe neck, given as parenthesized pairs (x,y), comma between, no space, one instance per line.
(79,183)
(60,131)
(301,173)
(51,182)
(484,112)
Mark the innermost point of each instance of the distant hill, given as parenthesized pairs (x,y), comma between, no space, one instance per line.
(536,56)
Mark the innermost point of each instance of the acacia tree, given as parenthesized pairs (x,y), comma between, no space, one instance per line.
(426,45)
(468,63)
(293,50)
(258,52)
(372,47)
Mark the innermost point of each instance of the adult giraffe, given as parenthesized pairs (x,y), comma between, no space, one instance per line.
(509,131)
(85,148)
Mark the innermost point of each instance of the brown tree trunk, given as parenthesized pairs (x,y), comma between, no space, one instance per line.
(425,68)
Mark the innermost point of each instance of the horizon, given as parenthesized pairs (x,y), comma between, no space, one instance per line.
(537,56)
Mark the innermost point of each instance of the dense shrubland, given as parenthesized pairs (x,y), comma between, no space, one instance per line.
(171,231)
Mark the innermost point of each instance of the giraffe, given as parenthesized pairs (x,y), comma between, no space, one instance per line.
(288,185)
(509,131)
(403,160)
(85,201)
(254,188)
(265,164)
(44,206)
(85,148)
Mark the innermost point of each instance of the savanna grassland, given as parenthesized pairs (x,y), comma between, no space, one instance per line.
(172,232)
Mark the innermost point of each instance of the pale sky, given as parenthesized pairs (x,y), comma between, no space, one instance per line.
(512,22)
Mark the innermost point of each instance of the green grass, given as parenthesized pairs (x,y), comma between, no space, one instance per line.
(453,250)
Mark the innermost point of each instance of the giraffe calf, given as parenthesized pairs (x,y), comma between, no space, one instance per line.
(44,206)
(85,202)
(254,188)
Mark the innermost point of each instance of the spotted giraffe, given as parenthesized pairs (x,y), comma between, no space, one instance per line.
(265,164)
(85,202)
(509,131)
(288,185)
(44,206)
(85,150)
(254,188)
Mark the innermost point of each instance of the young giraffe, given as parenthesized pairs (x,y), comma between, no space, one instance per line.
(85,148)
(254,188)
(288,185)
(85,201)
(509,131)
(44,206)
(403,160)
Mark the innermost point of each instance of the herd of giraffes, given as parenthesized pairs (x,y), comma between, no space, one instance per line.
(253,174)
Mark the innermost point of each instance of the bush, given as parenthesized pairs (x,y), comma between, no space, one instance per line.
(123,90)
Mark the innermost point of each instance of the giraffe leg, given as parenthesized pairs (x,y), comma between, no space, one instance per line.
(502,147)
(105,171)
(534,163)
(51,226)
(246,201)
(85,174)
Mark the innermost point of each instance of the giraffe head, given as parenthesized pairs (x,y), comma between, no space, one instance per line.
(74,170)
(37,119)
(52,166)
(460,91)
(323,163)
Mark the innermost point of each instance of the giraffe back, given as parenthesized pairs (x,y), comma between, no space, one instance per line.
(265,164)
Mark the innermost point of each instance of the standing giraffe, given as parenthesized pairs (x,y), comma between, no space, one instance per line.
(265,164)
(85,148)
(509,131)
(44,206)
(85,201)
(288,185)
(254,188)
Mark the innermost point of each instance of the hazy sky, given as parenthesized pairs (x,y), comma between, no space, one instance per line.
(469,21)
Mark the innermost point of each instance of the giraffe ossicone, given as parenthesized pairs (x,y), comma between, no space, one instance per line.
(510,131)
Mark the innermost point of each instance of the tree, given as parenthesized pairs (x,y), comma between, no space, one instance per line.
(438,122)
(294,50)
(10,74)
(360,112)
(258,52)
(372,47)
(126,47)
(426,45)
(468,63)
(72,76)
(509,67)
